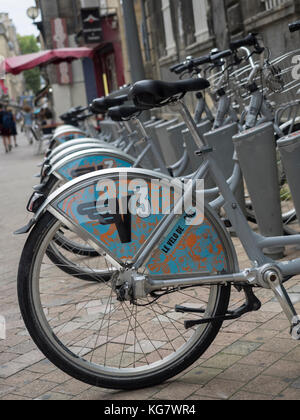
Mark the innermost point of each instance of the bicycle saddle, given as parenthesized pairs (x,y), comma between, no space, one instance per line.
(101,105)
(149,94)
(119,113)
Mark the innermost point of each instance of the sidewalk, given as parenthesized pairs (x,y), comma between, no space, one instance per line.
(253,358)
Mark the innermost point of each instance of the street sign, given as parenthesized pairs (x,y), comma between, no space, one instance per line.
(91,23)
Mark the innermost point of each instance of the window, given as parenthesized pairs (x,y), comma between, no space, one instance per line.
(170,40)
(271,4)
(200,17)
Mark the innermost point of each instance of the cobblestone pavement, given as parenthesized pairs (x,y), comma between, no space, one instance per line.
(253,358)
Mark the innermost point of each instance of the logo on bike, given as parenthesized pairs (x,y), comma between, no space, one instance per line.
(122,222)
(75,173)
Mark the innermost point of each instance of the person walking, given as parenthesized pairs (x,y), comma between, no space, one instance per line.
(28,122)
(11,121)
(4,128)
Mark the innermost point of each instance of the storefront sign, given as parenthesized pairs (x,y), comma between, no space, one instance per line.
(91,23)
(60,40)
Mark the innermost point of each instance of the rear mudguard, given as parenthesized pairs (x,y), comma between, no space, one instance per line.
(71,143)
(68,135)
(87,161)
(75,149)
(184,249)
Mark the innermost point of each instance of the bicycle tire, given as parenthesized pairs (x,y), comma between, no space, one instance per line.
(48,343)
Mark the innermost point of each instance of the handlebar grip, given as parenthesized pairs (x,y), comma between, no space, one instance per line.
(183,68)
(206,59)
(220,55)
(294,27)
(175,67)
(249,41)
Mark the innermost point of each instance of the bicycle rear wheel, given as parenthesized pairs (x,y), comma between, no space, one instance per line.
(85,331)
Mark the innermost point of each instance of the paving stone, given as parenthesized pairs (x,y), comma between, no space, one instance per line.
(176,391)
(71,387)
(225,339)
(13,397)
(10,369)
(290,394)
(56,376)
(242,327)
(219,388)
(260,335)
(30,358)
(247,396)
(221,361)
(5,389)
(23,378)
(296,384)
(42,367)
(200,375)
(7,357)
(261,359)
(54,396)
(35,389)
(242,348)
(266,384)
(241,373)
(293,355)
(284,369)
(279,345)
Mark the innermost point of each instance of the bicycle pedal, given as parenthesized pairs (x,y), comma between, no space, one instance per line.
(295,329)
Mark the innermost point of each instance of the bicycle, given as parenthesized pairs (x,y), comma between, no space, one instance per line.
(142,324)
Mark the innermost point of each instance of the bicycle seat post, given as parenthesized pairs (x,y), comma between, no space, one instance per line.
(188,119)
(156,152)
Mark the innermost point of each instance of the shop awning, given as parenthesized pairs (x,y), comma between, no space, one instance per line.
(16,65)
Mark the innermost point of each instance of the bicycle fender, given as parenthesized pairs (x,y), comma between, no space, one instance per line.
(73,185)
(76,148)
(86,161)
(63,137)
(76,142)
(183,249)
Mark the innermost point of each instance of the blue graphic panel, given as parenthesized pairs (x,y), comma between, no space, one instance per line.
(85,165)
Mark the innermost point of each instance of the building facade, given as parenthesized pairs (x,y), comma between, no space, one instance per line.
(171,30)
(180,28)
(12,86)
(90,23)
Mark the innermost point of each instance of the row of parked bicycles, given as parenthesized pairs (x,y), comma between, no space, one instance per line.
(124,296)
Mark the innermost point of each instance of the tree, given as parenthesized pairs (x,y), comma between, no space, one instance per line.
(28,44)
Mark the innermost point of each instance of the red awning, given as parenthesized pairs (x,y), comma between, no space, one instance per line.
(16,65)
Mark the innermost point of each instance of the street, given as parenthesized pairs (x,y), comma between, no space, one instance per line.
(252,358)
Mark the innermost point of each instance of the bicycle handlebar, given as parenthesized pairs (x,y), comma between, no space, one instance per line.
(175,67)
(248,41)
(192,63)
(295,26)
(220,55)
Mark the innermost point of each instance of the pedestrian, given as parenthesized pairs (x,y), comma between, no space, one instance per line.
(28,122)
(12,125)
(4,129)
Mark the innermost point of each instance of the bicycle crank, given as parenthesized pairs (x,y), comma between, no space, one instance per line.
(274,278)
